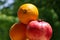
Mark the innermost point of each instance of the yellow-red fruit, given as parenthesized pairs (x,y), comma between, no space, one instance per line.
(27,12)
(17,31)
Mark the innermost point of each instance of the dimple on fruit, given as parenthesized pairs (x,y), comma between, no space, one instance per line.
(17,31)
(39,30)
(27,12)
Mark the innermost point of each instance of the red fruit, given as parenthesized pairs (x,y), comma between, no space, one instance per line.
(39,30)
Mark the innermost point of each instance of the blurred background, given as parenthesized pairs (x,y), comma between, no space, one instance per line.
(49,10)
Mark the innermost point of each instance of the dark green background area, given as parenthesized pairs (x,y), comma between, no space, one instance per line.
(49,10)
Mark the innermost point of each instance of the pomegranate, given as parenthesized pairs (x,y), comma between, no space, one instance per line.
(39,30)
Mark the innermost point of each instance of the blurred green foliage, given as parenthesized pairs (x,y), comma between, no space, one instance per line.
(49,10)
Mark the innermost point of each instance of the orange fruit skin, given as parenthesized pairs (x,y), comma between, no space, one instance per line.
(17,31)
(27,12)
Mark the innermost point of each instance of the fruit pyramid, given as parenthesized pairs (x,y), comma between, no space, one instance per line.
(30,27)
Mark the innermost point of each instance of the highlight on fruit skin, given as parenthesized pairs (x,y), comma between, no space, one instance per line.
(39,30)
(27,12)
(17,31)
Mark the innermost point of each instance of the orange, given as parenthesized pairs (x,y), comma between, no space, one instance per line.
(27,12)
(17,31)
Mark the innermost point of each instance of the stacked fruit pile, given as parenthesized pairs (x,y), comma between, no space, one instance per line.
(30,27)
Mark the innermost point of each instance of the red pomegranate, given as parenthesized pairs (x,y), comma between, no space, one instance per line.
(39,30)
